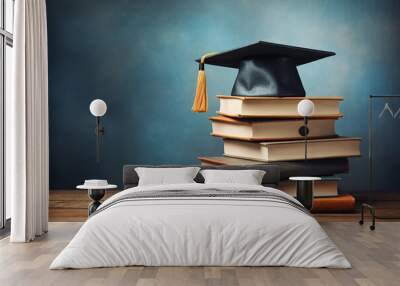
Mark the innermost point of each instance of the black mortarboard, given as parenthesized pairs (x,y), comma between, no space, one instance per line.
(266,69)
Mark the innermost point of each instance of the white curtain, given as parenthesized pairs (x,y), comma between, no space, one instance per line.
(27,121)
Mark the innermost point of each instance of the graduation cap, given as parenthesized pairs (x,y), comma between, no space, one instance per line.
(265,69)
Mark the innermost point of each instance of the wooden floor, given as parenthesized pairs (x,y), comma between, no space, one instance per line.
(375,257)
(71,206)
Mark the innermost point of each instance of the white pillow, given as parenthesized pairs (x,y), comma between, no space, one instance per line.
(247,177)
(166,176)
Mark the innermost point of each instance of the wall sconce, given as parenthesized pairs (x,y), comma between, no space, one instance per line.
(98,108)
(305,108)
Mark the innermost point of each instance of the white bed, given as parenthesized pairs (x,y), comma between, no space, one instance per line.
(202,231)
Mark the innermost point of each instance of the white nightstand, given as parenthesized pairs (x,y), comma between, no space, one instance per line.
(96,193)
(304,193)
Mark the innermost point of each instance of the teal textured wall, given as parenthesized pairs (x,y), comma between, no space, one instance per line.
(138,56)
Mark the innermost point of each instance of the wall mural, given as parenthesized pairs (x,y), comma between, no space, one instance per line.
(138,56)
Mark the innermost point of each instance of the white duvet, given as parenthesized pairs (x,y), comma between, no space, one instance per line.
(200,231)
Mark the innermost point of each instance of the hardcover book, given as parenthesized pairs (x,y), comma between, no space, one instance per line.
(293,150)
(277,107)
(317,167)
(265,130)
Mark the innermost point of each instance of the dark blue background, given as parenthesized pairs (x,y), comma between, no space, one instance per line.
(138,56)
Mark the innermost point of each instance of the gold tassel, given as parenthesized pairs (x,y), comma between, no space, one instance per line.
(200,103)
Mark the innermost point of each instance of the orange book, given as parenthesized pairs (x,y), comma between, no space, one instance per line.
(332,204)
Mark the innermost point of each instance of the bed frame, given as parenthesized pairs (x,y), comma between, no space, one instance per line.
(271,178)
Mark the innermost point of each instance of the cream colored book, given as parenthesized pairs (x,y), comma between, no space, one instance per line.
(321,188)
(277,107)
(276,129)
(293,150)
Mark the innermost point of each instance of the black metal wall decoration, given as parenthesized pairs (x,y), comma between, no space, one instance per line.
(99,132)
(303,131)
(98,108)
(383,121)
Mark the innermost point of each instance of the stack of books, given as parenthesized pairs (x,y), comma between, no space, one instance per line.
(259,130)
